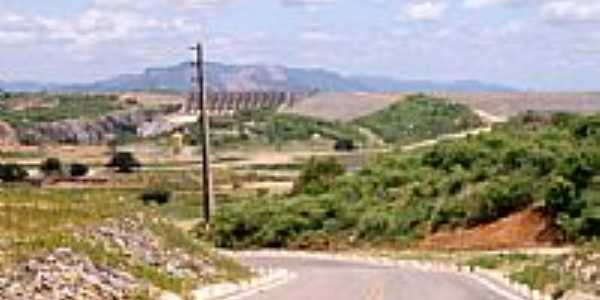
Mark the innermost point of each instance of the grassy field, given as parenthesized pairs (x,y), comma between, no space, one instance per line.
(552,274)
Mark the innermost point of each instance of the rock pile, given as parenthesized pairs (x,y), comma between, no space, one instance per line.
(586,268)
(132,238)
(65,275)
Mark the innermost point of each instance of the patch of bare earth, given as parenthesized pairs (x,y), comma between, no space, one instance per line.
(344,106)
(509,104)
(30,102)
(525,229)
(147,98)
(8,136)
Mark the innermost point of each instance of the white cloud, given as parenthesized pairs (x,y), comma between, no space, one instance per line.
(426,11)
(572,10)
(487,3)
(14,37)
(98,24)
(319,36)
(16,28)
(195,3)
(306,2)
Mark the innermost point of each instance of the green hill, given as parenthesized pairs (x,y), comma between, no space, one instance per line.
(418,118)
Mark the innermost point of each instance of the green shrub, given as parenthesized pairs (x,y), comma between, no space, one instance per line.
(78,170)
(158,196)
(588,127)
(537,277)
(486,262)
(500,198)
(344,145)
(318,176)
(52,167)
(124,162)
(401,196)
(12,173)
(561,196)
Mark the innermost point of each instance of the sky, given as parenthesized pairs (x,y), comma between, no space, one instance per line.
(529,44)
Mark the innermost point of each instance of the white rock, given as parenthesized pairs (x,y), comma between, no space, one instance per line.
(169,296)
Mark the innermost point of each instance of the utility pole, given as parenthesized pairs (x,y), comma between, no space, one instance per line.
(200,95)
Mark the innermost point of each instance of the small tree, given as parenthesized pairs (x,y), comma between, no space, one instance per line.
(12,173)
(78,170)
(52,167)
(561,196)
(156,195)
(124,162)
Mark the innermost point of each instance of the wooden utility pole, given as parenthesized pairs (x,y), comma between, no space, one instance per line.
(200,95)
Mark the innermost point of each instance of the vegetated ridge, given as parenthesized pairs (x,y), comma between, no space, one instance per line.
(418,118)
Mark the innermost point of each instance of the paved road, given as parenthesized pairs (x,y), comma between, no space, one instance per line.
(332,280)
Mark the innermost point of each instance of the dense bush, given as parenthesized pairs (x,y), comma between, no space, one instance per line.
(158,196)
(318,176)
(52,167)
(402,196)
(78,170)
(12,173)
(344,145)
(124,162)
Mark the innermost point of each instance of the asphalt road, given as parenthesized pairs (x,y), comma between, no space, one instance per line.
(331,280)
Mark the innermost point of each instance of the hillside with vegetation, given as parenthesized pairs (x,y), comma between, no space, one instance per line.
(267,127)
(419,117)
(26,110)
(415,119)
(549,161)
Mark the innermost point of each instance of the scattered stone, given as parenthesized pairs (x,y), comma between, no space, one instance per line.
(132,238)
(169,296)
(63,274)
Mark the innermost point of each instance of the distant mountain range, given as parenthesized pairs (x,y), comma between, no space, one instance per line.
(225,77)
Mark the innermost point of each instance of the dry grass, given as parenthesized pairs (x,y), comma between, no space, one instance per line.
(510,104)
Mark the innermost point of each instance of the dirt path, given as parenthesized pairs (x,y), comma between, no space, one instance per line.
(373,139)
